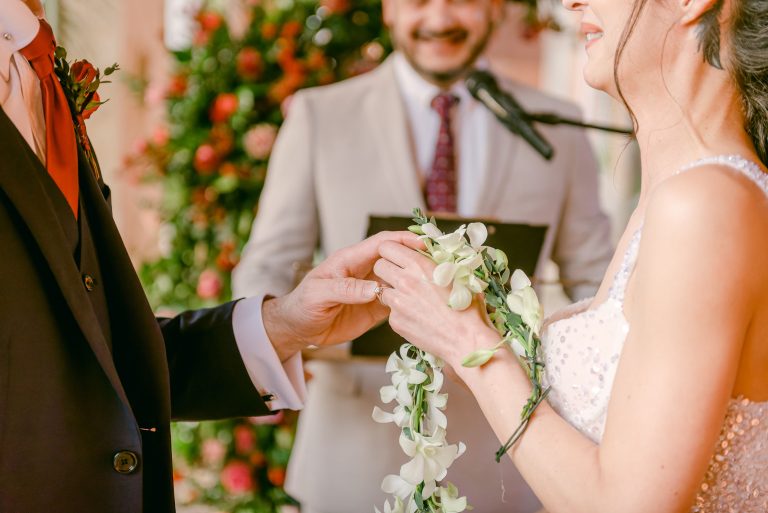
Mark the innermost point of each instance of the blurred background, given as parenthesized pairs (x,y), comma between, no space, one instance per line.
(184,142)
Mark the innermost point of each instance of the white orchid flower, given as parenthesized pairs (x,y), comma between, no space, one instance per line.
(444,273)
(440,256)
(437,378)
(461,297)
(430,458)
(431,231)
(477,234)
(471,262)
(476,285)
(524,302)
(403,369)
(388,394)
(465,252)
(450,502)
(436,363)
(519,281)
(397,486)
(436,403)
(533,313)
(399,416)
(451,242)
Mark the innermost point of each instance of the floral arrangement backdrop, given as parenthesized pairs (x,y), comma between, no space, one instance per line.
(226,99)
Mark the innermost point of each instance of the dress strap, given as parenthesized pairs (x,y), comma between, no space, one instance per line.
(745,166)
(620,280)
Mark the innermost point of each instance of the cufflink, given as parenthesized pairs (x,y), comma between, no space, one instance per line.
(268,398)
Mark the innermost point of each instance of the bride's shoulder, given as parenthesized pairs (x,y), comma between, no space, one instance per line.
(712,198)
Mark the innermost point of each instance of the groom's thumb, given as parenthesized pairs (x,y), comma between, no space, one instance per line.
(350,291)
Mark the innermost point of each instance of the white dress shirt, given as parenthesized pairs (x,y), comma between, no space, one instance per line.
(21,99)
(469,122)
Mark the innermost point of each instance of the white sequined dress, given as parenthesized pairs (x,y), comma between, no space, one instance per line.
(581,348)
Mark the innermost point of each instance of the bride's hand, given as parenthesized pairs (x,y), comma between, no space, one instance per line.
(420,311)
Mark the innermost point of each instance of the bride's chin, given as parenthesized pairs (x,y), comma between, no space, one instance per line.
(598,79)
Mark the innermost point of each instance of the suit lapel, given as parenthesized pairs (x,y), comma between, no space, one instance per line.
(20,177)
(137,339)
(390,126)
(500,168)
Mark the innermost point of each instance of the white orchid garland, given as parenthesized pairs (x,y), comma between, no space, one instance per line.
(469,268)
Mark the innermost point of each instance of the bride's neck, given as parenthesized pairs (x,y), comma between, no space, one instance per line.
(701,118)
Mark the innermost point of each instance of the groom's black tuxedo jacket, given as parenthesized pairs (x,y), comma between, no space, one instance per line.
(89,378)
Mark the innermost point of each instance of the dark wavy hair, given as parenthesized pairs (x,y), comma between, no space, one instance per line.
(747,62)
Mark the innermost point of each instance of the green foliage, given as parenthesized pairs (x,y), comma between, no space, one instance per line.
(225,102)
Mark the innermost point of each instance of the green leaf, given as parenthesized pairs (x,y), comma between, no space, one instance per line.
(478,358)
(60,52)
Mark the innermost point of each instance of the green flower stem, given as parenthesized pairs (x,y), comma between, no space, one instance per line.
(419,410)
(526,417)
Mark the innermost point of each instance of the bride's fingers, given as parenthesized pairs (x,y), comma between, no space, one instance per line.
(388,271)
(405,257)
(387,297)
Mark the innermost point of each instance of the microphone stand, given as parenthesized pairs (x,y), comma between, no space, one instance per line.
(549,118)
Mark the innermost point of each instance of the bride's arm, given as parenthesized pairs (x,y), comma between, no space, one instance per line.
(691,299)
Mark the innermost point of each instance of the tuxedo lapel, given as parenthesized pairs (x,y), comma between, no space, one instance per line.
(20,176)
(390,128)
(130,312)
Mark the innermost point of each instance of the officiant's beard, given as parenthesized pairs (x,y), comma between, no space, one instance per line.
(445,78)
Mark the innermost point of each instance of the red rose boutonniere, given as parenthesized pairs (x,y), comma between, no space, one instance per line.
(80,81)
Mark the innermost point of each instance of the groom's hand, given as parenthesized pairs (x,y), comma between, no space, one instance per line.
(334,303)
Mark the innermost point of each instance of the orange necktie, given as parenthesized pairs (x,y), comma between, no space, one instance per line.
(61,146)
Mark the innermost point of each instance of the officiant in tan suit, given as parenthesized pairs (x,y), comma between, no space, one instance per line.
(368,146)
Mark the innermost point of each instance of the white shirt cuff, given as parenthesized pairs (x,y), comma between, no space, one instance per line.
(284,381)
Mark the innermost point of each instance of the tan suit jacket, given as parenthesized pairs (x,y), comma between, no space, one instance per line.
(345,153)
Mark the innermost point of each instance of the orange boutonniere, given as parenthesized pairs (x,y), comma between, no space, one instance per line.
(80,81)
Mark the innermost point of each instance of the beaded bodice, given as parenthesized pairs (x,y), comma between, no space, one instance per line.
(581,347)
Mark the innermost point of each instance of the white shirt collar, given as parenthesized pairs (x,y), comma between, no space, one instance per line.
(416,89)
(18,27)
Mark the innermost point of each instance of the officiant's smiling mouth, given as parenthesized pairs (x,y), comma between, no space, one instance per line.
(448,39)
(592,33)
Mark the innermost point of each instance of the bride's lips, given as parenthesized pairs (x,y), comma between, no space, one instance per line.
(592,33)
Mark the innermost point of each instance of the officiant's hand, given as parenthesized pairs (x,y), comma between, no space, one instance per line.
(336,302)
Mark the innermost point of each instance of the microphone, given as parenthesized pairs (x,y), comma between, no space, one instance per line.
(483,87)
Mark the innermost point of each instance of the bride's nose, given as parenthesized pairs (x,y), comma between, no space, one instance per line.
(575,5)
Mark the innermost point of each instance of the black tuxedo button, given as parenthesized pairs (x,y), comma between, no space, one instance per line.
(125,462)
(89,282)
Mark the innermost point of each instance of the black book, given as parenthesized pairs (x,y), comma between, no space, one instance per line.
(521,242)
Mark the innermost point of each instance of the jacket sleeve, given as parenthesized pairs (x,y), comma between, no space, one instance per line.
(207,375)
(583,247)
(285,232)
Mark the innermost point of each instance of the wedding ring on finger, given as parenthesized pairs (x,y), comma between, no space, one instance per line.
(378,291)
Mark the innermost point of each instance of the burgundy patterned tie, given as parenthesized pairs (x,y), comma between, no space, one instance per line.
(441,182)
